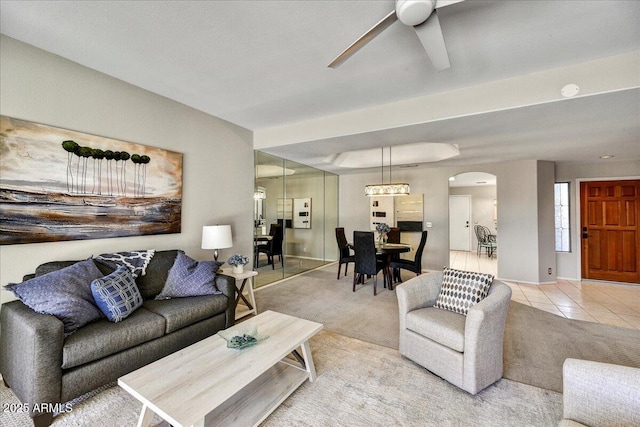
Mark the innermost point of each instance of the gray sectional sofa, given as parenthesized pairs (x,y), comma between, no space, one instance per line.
(42,366)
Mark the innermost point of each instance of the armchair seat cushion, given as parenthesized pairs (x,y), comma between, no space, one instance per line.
(103,338)
(442,326)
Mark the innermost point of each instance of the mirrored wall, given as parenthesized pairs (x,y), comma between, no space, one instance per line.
(295,216)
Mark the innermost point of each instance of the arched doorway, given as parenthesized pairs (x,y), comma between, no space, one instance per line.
(472,201)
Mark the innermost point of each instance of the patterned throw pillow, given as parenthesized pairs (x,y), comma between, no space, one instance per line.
(117,294)
(64,293)
(190,278)
(461,290)
(136,261)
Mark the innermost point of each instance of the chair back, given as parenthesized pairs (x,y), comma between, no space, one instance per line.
(365,252)
(482,233)
(418,259)
(276,242)
(393,236)
(343,245)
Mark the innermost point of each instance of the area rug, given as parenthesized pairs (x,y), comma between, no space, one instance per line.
(536,343)
(358,384)
(535,346)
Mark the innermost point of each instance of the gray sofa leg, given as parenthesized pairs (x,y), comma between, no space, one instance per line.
(43,420)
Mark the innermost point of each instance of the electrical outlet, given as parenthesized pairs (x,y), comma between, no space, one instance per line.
(304,250)
(549,270)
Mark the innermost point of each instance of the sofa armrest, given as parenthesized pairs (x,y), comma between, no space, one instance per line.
(484,337)
(31,353)
(599,394)
(227,285)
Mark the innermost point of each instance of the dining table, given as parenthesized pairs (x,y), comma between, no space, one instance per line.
(388,250)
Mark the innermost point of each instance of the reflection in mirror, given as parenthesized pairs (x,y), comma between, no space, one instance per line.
(290,189)
(472,205)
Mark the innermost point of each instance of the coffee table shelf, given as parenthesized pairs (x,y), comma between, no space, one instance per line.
(251,405)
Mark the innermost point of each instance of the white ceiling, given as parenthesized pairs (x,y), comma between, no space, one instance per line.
(263,65)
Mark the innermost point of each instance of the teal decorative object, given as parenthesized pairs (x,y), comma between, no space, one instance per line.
(242,337)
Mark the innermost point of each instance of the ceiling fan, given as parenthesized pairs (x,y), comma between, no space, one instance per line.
(419,14)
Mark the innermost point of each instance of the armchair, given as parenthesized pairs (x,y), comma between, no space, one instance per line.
(600,394)
(464,350)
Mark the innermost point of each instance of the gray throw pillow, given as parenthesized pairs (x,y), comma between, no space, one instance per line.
(461,290)
(190,278)
(64,293)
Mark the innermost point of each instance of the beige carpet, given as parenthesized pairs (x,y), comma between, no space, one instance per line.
(359,384)
(536,342)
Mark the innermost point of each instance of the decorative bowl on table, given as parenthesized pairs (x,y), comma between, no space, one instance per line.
(240,337)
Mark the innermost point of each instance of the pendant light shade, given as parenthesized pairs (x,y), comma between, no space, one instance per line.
(390,189)
(395,189)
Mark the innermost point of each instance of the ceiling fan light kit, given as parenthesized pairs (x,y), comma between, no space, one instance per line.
(419,14)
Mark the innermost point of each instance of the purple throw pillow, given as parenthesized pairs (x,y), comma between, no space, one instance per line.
(190,278)
(64,293)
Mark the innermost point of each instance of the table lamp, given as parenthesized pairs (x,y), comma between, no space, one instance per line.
(216,237)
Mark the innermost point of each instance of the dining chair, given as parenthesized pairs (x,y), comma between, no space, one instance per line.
(366,261)
(344,251)
(485,240)
(393,236)
(273,247)
(414,265)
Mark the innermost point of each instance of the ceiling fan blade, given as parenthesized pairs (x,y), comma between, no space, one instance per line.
(364,39)
(430,34)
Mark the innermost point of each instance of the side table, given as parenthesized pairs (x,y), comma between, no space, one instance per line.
(244,307)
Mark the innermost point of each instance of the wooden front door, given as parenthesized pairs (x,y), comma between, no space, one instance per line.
(610,231)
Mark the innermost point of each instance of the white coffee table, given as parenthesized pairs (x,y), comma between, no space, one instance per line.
(210,384)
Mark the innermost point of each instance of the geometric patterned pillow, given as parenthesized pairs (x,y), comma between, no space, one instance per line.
(136,261)
(462,289)
(117,295)
(190,278)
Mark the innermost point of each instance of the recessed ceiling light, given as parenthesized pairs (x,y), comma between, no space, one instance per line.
(570,90)
(452,178)
(607,156)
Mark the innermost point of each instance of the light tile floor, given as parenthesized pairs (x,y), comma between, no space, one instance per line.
(610,303)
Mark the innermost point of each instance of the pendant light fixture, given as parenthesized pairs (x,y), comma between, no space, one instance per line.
(390,189)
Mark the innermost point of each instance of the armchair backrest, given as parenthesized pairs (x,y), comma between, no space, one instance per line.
(365,252)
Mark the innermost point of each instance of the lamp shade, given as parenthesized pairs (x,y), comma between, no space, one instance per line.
(216,237)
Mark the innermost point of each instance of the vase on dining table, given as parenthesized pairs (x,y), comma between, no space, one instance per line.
(382,238)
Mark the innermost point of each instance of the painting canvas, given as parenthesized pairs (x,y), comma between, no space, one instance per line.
(58,184)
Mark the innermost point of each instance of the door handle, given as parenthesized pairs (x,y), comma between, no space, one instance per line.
(585,235)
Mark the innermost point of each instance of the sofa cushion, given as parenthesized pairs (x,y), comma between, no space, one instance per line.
(103,338)
(116,294)
(442,326)
(190,278)
(64,293)
(151,284)
(460,290)
(181,312)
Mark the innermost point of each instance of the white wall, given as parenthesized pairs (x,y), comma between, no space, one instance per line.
(218,168)
(482,207)
(518,195)
(569,262)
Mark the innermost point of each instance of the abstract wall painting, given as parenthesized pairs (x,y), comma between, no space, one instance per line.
(57,184)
